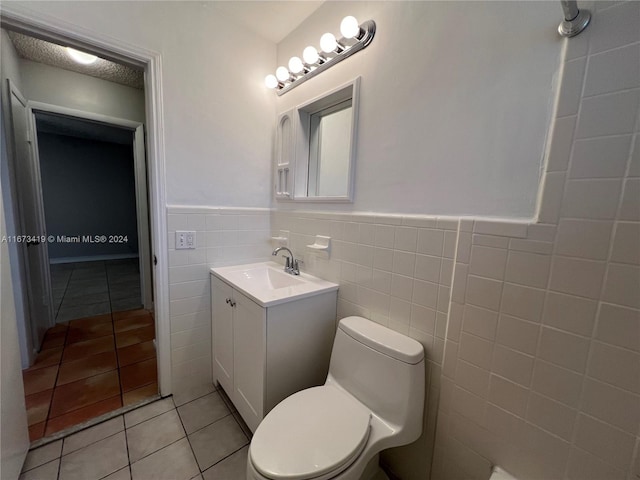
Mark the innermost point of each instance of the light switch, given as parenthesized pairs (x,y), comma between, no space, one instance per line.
(185,240)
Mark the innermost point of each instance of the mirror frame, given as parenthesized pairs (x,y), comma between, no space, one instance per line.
(298,166)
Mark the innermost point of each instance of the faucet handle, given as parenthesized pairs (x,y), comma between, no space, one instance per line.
(287,264)
(295,269)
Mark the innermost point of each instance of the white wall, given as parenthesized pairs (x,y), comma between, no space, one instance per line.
(455,102)
(218,117)
(47,84)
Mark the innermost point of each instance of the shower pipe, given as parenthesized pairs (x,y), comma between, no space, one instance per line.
(575,20)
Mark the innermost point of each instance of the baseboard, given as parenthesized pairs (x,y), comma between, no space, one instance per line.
(93,258)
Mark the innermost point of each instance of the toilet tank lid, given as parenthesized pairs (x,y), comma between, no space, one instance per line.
(383,339)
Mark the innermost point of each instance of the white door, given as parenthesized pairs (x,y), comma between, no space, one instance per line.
(222,332)
(142,213)
(31,222)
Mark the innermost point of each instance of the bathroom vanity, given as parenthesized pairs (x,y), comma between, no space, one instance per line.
(272,334)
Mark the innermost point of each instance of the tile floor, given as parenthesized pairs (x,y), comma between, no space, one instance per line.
(85,289)
(88,367)
(200,439)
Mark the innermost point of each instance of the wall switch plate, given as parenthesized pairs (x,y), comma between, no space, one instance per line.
(185,240)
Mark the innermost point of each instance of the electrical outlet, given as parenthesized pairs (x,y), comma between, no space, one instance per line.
(185,240)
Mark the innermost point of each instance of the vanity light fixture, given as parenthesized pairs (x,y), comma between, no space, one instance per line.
(355,37)
(81,57)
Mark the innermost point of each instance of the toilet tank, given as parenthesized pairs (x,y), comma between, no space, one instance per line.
(383,369)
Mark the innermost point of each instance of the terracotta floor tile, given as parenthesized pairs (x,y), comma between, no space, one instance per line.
(39,380)
(87,348)
(138,375)
(86,367)
(88,331)
(139,335)
(38,406)
(136,353)
(132,323)
(81,393)
(53,340)
(90,320)
(47,358)
(83,414)
(138,394)
(36,432)
(129,313)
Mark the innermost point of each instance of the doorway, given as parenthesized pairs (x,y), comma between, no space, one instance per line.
(98,352)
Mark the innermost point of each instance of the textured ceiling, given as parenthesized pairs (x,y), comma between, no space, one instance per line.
(80,128)
(55,55)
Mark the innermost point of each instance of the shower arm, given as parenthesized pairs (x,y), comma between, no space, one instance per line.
(575,20)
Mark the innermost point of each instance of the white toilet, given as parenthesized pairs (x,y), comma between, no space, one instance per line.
(372,399)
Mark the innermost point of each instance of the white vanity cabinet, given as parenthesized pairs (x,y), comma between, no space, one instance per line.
(264,353)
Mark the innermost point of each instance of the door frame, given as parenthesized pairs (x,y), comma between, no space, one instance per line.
(140,173)
(20,18)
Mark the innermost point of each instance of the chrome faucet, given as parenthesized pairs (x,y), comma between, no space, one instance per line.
(291,265)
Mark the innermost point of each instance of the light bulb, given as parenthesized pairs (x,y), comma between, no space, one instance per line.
(328,43)
(271,81)
(295,65)
(81,57)
(283,74)
(310,55)
(349,27)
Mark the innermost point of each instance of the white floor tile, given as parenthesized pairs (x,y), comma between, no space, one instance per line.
(154,434)
(175,462)
(97,460)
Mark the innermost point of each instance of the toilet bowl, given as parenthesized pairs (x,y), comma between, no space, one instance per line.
(372,399)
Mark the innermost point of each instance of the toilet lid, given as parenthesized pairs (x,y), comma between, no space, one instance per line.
(309,434)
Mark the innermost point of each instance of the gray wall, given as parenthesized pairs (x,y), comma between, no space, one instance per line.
(88,189)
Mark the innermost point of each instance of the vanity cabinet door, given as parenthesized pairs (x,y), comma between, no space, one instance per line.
(222,333)
(249,359)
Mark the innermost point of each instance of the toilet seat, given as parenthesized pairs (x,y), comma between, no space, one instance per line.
(314,434)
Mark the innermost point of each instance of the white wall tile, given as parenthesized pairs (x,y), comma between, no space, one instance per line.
(552,194)
(430,241)
(557,383)
(602,157)
(488,262)
(475,350)
(522,302)
(599,398)
(570,313)
(561,142)
(616,27)
(571,87)
(615,366)
(425,293)
(551,416)
(427,267)
(619,326)
(383,259)
(508,395)
(626,243)
(584,238)
(472,378)
(531,246)
(622,285)
(634,167)
(368,234)
(613,70)
(483,292)
(512,365)
(585,466)
(406,238)
(577,276)
(463,253)
(404,263)
(528,269)
(490,240)
(503,228)
(630,207)
(402,287)
(480,322)
(592,199)
(606,442)
(610,114)
(564,349)
(517,334)
(423,319)
(384,236)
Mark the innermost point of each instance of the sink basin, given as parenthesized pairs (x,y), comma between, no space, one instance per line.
(265,277)
(267,284)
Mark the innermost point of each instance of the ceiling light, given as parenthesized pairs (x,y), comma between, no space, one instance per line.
(81,57)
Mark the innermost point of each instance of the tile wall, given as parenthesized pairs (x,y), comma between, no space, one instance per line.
(224,236)
(542,359)
(394,270)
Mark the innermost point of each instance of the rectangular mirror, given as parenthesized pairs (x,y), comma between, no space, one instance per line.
(323,134)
